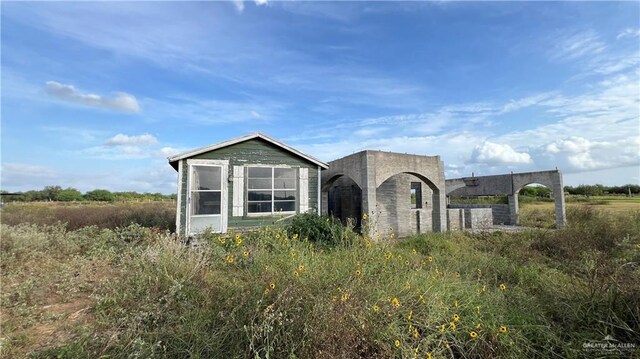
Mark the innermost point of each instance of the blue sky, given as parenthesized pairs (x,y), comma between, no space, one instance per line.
(97,95)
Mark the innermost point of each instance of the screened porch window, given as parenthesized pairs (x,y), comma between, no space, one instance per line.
(271,190)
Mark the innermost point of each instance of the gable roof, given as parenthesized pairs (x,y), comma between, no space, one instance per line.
(175,158)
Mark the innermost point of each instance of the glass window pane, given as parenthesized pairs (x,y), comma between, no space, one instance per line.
(259,207)
(284,183)
(288,206)
(260,172)
(259,196)
(284,195)
(262,183)
(284,172)
(206,178)
(205,203)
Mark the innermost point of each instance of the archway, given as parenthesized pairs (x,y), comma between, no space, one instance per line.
(535,206)
(409,203)
(344,200)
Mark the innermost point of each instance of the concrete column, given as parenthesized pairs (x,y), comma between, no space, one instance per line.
(558,194)
(369,187)
(513,209)
(439,211)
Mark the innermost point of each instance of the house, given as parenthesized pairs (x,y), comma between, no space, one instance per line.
(242,183)
(254,180)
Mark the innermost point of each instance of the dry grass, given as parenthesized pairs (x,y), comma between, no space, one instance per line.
(104,215)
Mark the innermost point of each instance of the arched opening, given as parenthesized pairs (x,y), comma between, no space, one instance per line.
(409,203)
(344,200)
(536,206)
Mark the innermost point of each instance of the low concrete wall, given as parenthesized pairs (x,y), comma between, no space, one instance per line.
(478,218)
(500,212)
(455,219)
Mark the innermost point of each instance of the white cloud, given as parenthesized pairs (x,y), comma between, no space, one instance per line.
(122,140)
(119,102)
(576,45)
(579,154)
(239,5)
(628,32)
(496,154)
(261,2)
(23,169)
(168,151)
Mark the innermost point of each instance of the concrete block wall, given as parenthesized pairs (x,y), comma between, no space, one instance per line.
(501,212)
(478,218)
(394,206)
(455,219)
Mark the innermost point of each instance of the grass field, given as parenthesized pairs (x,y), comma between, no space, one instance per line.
(131,291)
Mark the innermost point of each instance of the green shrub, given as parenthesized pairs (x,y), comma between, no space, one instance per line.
(317,229)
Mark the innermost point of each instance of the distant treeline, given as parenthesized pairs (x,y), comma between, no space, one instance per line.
(59,194)
(599,190)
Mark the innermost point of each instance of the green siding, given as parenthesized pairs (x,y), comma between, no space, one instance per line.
(255,151)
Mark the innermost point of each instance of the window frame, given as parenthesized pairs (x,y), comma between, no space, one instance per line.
(418,187)
(296,190)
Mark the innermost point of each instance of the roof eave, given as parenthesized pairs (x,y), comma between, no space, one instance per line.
(175,158)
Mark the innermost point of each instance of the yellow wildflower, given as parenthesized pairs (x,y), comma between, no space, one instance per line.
(237,236)
(390,229)
(230,258)
(429,355)
(295,236)
(245,254)
(345,297)
(376,309)
(395,302)
(406,263)
(272,285)
(238,242)
(457,274)
(442,328)
(295,273)
(301,267)
(456,318)
(473,335)
(358,272)
(388,255)
(430,258)
(478,326)
(277,235)
(222,240)
(503,329)
(453,326)
(364,216)
(503,286)
(396,343)
(293,254)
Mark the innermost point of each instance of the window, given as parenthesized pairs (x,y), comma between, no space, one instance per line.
(271,190)
(206,190)
(416,195)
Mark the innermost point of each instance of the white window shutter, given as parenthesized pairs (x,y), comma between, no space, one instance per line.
(304,189)
(238,191)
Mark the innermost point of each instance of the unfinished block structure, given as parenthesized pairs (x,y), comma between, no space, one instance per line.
(379,184)
(509,185)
